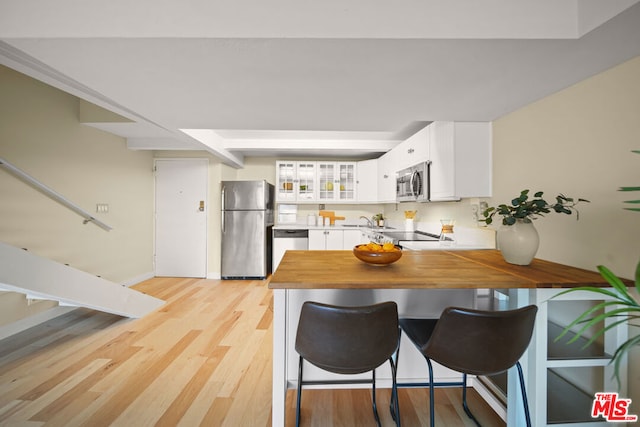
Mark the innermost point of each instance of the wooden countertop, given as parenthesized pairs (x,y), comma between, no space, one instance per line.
(434,269)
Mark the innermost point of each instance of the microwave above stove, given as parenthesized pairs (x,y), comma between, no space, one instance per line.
(412,184)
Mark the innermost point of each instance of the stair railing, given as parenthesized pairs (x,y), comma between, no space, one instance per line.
(52,194)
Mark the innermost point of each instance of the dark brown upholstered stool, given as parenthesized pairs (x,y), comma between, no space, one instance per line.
(475,342)
(348,340)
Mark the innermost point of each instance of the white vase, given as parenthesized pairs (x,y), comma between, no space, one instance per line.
(518,242)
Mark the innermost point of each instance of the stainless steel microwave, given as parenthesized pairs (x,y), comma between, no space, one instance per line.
(412,184)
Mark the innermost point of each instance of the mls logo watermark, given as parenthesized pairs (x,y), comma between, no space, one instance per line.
(612,408)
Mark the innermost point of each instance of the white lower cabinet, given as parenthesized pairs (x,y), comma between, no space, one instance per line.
(323,239)
(353,238)
(326,239)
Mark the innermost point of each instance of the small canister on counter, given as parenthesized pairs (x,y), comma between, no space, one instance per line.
(409,220)
(311,219)
(447,236)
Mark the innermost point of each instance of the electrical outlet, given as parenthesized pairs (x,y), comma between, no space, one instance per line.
(474,212)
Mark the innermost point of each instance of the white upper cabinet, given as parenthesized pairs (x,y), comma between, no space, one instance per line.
(387,168)
(315,182)
(336,181)
(367,181)
(461,166)
(442,173)
(460,154)
(414,149)
(295,181)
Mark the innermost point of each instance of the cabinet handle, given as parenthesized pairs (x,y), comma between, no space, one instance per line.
(410,150)
(385,176)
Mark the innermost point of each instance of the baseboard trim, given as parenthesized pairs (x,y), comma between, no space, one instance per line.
(137,279)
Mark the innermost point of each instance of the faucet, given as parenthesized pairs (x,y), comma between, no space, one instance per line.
(369,222)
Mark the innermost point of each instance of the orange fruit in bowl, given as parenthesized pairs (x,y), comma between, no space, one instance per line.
(373,247)
(388,247)
(377,254)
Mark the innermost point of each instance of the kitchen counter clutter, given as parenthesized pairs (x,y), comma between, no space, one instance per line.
(423,283)
(465,238)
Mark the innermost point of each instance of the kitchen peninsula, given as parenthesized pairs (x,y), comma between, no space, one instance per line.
(423,283)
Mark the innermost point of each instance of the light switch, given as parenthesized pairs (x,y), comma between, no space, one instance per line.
(102,208)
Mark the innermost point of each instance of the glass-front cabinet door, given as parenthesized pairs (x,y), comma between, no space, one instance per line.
(337,181)
(299,181)
(326,181)
(347,181)
(306,182)
(295,181)
(285,181)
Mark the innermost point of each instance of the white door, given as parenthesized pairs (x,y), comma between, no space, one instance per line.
(181,217)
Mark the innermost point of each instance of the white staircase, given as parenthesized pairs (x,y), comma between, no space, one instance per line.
(41,278)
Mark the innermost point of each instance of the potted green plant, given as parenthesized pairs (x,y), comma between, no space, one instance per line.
(518,239)
(523,208)
(624,308)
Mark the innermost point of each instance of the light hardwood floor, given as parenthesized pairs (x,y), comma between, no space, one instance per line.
(203,359)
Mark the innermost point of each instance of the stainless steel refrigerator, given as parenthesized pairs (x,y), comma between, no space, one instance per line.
(247,223)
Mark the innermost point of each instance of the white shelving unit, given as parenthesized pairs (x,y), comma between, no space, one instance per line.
(554,399)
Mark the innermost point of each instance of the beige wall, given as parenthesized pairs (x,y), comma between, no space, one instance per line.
(40,133)
(578,142)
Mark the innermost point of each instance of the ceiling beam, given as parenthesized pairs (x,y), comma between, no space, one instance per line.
(214,143)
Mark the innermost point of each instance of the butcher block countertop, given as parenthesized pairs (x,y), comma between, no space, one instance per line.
(473,269)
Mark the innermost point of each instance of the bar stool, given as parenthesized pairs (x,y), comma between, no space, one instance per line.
(348,340)
(475,342)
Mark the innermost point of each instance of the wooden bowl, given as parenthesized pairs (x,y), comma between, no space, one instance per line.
(377,258)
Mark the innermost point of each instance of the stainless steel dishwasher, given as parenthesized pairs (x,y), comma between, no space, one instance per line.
(288,239)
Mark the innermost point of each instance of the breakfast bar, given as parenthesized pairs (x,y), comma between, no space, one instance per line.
(423,283)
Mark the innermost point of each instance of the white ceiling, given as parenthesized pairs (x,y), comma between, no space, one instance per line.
(291,78)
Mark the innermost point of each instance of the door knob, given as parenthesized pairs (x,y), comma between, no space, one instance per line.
(201,207)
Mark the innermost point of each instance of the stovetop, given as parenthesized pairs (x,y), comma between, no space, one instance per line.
(421,236)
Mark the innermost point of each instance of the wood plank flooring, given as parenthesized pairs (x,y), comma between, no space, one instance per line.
(203,359)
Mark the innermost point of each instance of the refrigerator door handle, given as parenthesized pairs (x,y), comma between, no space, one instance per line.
(222,204)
